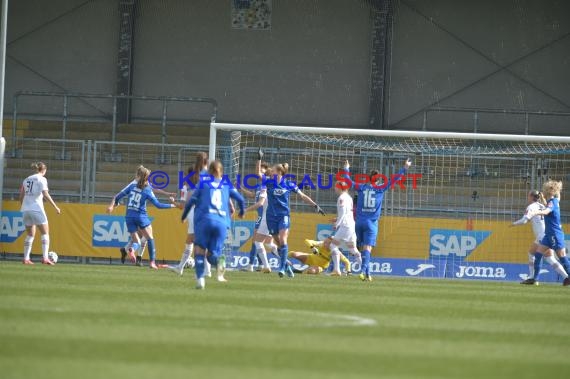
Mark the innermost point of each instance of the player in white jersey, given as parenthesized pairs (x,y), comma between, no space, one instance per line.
(260,239)
(32,193)
(536,203)
(200,167)
(344,228)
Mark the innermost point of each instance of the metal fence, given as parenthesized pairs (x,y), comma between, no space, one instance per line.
(67,166)
(105,112)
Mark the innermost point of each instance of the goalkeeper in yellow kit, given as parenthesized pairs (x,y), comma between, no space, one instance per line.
(319,258)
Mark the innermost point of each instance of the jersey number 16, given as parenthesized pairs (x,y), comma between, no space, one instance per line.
(369,199)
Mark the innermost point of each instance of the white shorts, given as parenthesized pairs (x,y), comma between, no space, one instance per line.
(34,218)
(538,239)
(345,234)
(263,229)
(190,221)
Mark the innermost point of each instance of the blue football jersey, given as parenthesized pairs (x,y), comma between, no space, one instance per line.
(213,202)
(137,199)
(369,199)
(278,197)
(552,223)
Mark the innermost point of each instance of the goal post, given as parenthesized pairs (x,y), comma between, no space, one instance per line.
(448,218)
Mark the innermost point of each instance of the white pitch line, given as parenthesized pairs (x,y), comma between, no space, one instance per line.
(329,319)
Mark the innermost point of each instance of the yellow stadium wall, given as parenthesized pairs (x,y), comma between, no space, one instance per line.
(399,237)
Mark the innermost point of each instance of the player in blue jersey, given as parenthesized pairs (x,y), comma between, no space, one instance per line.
(553,240)
(126,250)
(200,168)
(136,217)
(278,211)
(212,209)
(368,211)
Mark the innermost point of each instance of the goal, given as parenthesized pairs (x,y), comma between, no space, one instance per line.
(448,218)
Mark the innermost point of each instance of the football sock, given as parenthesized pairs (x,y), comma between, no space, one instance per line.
(335,257)
(200,266)
(530,265)
(185,255)
(565,263)
(261,253)
(557,266)
(536,265)
(252,254)
(45,245)
(365,262)
(151,250)
(283,250)
(28,242)
(346,262)
(143,246)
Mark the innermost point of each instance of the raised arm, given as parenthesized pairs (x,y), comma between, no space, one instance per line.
(402,171)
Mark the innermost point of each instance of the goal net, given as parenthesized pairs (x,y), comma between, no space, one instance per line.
(449,217)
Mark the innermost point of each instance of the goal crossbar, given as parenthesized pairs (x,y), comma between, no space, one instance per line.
(380,133)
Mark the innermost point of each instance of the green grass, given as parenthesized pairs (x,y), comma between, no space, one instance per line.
(82,321)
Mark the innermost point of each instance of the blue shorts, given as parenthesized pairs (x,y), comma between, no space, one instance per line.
(211,235)
(366,232)
(136,223)
(555,242)
(257,223)
(276,224)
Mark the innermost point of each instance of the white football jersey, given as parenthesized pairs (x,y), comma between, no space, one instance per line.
(344,215)
(33,186)
(537,221)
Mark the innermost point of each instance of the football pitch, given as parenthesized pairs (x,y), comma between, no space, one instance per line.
(88,321)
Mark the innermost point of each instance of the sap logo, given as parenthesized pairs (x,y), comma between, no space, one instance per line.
(461,243)
(380,268)
(109,231)
(11,226)
(421,268)
(324,231)
(481,272)
(279,192)
(240,232)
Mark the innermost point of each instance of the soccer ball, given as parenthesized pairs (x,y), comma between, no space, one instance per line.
(52,256)
(190,263)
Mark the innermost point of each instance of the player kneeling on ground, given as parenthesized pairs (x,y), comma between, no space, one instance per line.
(320,257)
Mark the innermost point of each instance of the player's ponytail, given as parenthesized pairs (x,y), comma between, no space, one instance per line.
(541,198)
(282,168)
(143,178)
(201,162)
(216,169)
(38,166)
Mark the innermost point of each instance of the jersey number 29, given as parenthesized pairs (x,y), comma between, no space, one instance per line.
(135,200)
